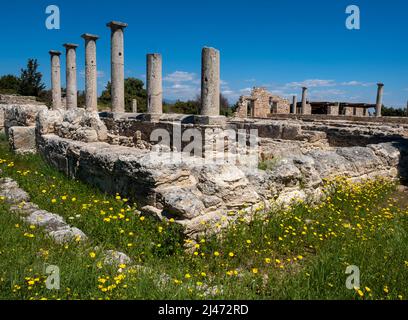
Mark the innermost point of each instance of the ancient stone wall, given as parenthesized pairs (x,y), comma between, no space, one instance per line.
(196,193)
(261,103)
(16,99)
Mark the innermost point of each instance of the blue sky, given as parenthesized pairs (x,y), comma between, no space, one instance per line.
(274,43)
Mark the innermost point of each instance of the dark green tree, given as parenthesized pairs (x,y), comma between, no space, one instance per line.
(9,84)
(31,80)
(133,90)
(393,112)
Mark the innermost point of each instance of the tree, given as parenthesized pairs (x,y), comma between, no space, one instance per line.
(133,90)
(393,112)
(225,109)
(31,80)
(9,84)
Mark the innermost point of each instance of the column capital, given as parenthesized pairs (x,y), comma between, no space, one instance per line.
(114,25)
(304,88)
(54,53)
(89,36)
(380,84)
(70,45)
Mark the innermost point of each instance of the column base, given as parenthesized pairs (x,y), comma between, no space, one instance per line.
(210,120)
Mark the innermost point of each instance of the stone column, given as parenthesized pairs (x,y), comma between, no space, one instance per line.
(304,100)
(56,79)
(91,73)
(378,106)
(210,82)
(117,66)
(154,84)
(134,106)
(71,75)
(294,104)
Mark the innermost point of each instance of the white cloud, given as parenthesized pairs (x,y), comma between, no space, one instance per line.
(245,90)
(355,83)
(326,94)
(311,83)
(180,76)
(181,85)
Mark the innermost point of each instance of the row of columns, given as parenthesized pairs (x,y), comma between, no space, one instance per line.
(210,79)
(378,106)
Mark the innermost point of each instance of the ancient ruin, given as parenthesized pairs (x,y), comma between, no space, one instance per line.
(202,168)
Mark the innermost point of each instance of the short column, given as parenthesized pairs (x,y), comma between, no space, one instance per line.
(134,106)
(378,106)
(294,105)
(154,83)
(210,82)
(56,79)
(91,73)
(304,100)
(117,66)
(71,75)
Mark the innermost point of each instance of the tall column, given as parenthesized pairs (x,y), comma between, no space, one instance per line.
(91,73)
(304,100)
(71,75)
(378,106)
(117,65)
(210,82)
(56,79)
(154,83)
(294,104)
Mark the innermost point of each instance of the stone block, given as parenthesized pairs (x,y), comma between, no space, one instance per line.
(22,139)
(210,120)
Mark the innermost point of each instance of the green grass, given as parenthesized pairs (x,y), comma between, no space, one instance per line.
(296,253)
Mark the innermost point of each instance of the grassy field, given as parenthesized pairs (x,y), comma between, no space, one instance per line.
(301,252)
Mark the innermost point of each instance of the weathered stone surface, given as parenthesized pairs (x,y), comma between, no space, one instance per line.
(53,224)
(12,193)
(261,103)
(22,139)
(71,76)
(91,72)
(21,115)
(154,83)
(13,99)
(76,123)
(116,258)
(67,234)
(210,82)
(194,192)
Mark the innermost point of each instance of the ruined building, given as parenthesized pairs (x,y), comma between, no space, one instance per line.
(260,104)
